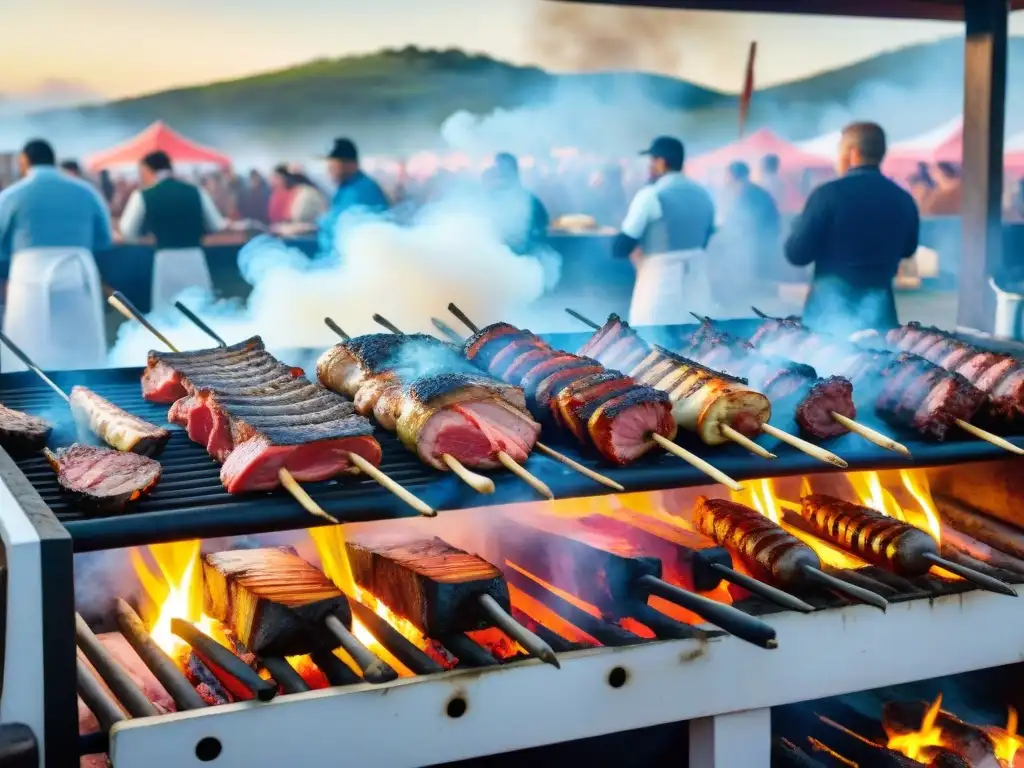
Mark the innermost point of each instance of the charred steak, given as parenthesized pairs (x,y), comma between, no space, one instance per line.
(21,433)
(102,479)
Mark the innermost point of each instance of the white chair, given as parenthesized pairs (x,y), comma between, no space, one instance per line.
(175,270)
(54,310)
(1007,324)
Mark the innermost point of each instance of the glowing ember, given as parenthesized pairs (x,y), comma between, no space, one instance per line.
(541,614)
(915,744)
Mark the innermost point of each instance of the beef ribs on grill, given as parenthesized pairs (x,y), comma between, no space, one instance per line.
(256,416)
(271,599)
(102,479)
(438,404)
(115,426)
(20,433)
(162,379)
(427,581)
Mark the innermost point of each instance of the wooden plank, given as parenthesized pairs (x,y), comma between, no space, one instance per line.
(271,598)
(427,581)
(985,64)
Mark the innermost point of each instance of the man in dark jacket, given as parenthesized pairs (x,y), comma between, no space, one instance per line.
(855,231)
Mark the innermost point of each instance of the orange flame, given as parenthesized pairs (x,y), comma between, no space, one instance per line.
(915,743)
(1006,740)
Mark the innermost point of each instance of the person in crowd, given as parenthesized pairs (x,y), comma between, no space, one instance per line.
(947,197)
(177,215)
(921,185)
(355,193)
(42,217)
(786,194)
(106,186)
(666,230)
(73,169)
(281,191)
(308,203)
(520,216)
(855,231)
(750,235)
(254,199)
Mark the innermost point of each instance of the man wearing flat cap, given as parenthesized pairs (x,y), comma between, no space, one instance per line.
(356,192)
(666,230)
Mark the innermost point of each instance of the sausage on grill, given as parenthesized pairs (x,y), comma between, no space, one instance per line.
(867,533)
(767,550)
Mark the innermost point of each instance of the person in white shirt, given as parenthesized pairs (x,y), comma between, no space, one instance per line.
(666,230)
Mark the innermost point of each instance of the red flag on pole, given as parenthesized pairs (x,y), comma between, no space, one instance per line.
(748,88)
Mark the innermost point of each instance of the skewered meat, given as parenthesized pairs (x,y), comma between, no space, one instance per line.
(20,433)
(867,533)
(1001,377)
(427,581)
(425,391)
(788,337)
(766,549)
(604,409)
(271,599)
(101,479)
(778,379)
(702,400)
(115,426)
(257,415)
(918,394)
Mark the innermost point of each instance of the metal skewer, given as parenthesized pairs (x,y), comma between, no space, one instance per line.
(975,577)
(213,652)
(762,590)
(120,302)
(543,448)
(123,687)
(850,590)
(96,698)
(200,324)
(533,644)
(33,367)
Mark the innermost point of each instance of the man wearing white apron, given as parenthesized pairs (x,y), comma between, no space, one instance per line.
(177,214)
(671,220)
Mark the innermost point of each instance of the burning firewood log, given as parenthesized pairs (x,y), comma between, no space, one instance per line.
(277,604)
(900,718)
(441,590)
(610,573)
(786,754)
(997,534)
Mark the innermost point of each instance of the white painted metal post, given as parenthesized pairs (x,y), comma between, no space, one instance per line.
(738,740)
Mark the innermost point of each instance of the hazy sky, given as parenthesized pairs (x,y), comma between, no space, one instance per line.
(124,47)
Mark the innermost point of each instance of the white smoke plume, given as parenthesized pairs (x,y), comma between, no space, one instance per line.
(451,252)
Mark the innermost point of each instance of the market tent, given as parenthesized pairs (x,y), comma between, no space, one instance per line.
(156,137)
(944,143)
(752,148)
(824,146)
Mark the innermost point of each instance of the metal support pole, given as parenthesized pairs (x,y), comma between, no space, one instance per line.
(985,54)
(728,741)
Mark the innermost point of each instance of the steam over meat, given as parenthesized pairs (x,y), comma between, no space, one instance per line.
(438,403)
(768,551)
(918,394)
(778,379)
(256,416)
(101,479)
(22,434)
(604,409)
(1001,377)
(427,581)
(869,534)
(702,400)
(788,337)
(115,426)
(271,599)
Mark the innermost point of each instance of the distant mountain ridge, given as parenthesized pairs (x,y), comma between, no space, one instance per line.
(398,100)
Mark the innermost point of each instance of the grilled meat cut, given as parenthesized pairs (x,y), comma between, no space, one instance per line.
(426,581)
(20,433)
(872,536)
(767,550)
(703,400)
(115,426)
(425,391)
(102,479)
(271,599)
(1000,377)
(918,394)
(789,337)
(779,379)
(256,415)
(604,409)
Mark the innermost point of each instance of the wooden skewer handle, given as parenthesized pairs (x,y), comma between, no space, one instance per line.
(292,486)
(523,474)
(478,483)
(462,317)
(696,462)
(577,467)
(988,437)
(336,328)
(582,319)
(740,439)
(386,482)
(815,451)
(383,321)
(121,303)
(882,441)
